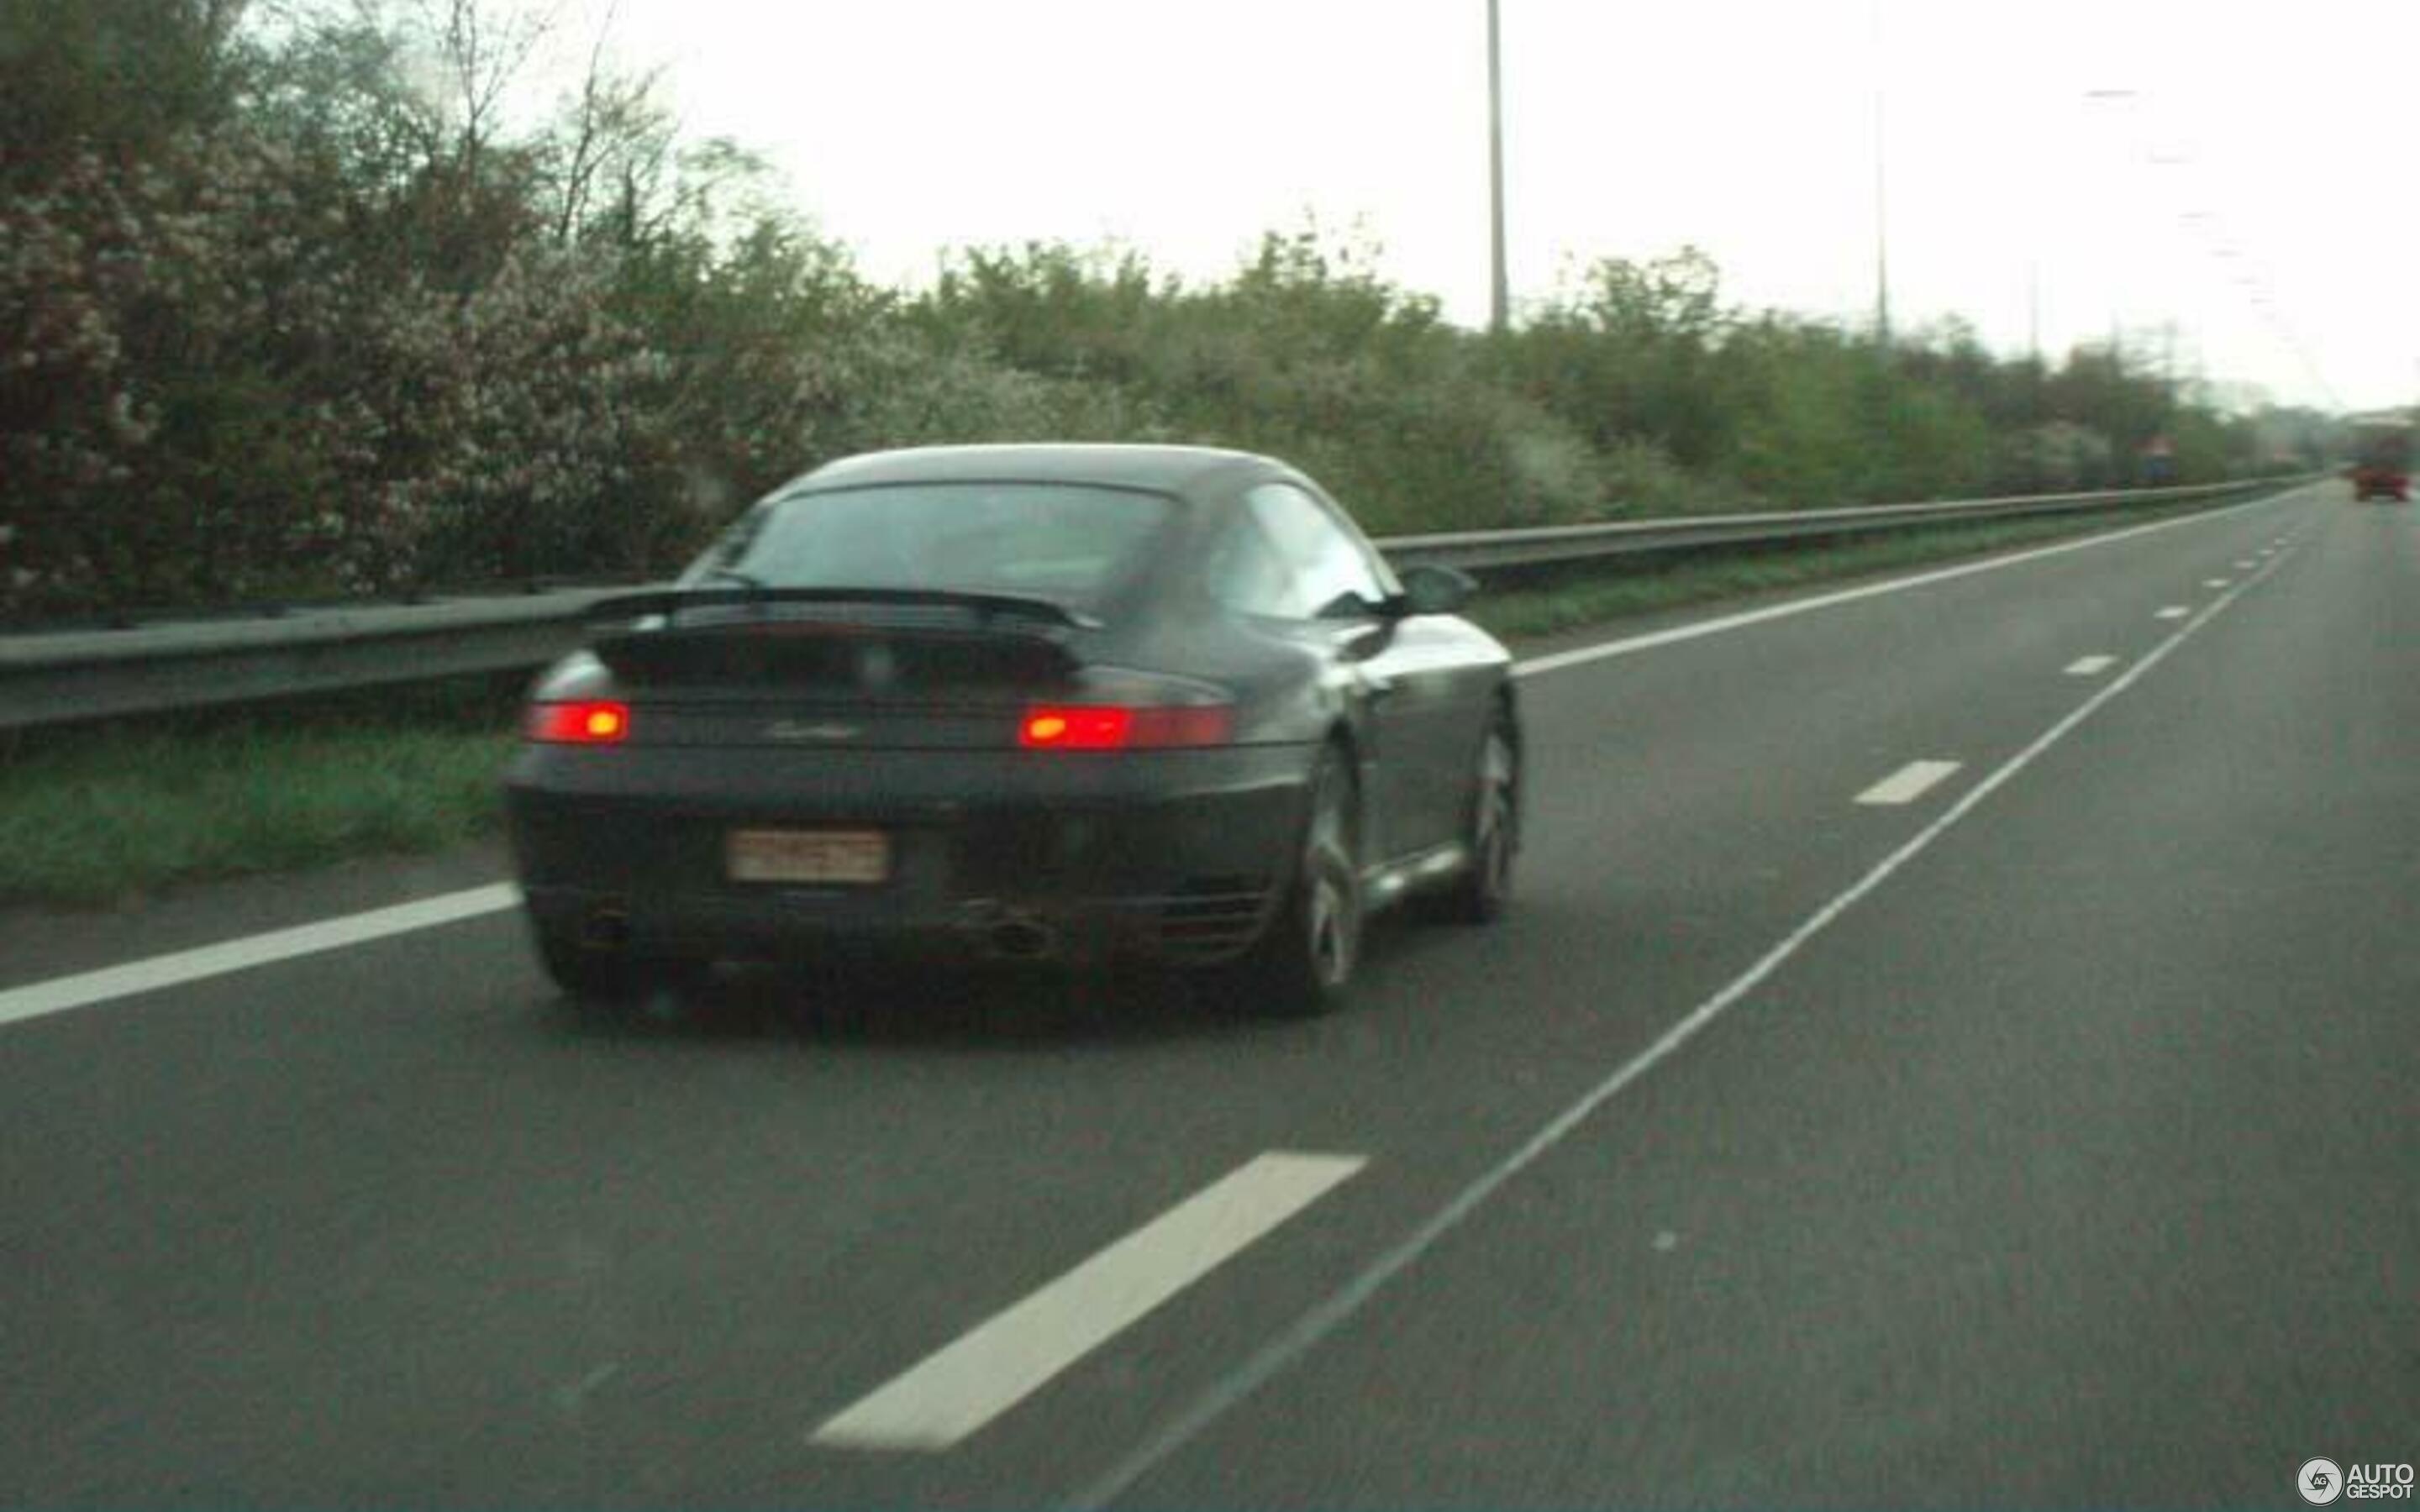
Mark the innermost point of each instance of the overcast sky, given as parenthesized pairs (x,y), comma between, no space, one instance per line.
(2246,173)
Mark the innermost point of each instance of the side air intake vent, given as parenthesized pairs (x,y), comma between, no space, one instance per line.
(1211,917)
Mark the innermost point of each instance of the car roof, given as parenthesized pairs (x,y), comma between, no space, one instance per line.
(1174,469)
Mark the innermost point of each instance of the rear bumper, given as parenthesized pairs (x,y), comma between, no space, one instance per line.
(1169,855)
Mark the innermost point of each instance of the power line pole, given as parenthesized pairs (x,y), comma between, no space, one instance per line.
(1882,240)
(2033,311)
(2036,376)
(1499,304)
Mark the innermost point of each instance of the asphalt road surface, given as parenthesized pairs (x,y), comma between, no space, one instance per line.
(1956,1043)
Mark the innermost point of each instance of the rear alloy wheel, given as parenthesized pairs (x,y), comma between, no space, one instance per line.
(1305,963)
(1479,895)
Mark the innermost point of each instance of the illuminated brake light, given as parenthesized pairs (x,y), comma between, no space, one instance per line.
(1111,727)
(590,722)
(1076,729)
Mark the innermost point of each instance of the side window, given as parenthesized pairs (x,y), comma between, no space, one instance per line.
(1245,573)
(1329,564)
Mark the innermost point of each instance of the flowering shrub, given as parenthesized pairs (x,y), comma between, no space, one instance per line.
(519,421)
(157,322)
(205,395)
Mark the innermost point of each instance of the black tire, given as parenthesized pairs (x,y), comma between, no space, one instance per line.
(1480,893)
(1303,965)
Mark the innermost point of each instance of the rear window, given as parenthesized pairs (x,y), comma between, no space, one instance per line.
(1063,541)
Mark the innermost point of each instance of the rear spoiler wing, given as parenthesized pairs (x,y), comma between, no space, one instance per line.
(986,608)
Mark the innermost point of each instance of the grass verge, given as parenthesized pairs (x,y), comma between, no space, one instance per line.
(106,814)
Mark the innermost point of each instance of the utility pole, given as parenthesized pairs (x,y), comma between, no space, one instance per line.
(2035,377)
(1499,302)
(2033,311)
(2131,99)
(1882,241)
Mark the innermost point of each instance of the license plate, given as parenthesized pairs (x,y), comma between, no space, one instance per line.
(847,857)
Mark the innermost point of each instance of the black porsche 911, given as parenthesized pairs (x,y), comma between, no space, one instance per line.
(1049,703)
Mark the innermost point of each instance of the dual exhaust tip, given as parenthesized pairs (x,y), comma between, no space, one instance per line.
(1008,934)
(1023,939)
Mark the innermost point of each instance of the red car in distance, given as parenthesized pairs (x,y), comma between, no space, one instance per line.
(2384,465)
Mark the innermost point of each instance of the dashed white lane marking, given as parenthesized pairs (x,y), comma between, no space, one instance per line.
(2090,666)
(2214,582)
(1343,1305)
(1580,655)
(965,1385)
(2174,612)
(2245,566)
(61,993)
(1909,783)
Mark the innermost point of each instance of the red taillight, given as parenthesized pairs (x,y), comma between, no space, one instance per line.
(1057,728)
(1114,727)
(588,722)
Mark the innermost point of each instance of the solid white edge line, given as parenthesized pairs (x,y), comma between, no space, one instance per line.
(2089,666)
(1907,784)
(1580,655)
(958,1388)
(1325,1316)
(61,994)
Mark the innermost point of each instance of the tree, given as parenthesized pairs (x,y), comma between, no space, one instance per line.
(114,76)
(1629,353)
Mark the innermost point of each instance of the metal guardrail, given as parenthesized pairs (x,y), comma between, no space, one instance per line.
(1554,544)
(56,677)
(61,676)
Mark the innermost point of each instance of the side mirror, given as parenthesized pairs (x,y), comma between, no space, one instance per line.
(1432,590)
